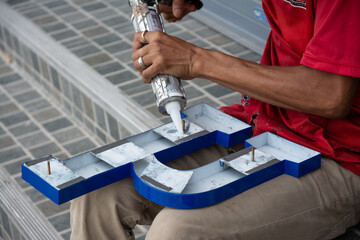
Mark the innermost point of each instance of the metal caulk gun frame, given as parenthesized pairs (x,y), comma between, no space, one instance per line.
(166,88)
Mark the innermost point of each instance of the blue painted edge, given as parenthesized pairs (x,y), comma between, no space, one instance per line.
(183,115)
(229,140)
(121,172)
(105,178)
(215,137)
(40,184)
(204,199)
(174,200)
(93,183)
(247,144)
(300,169)
(60,196)
(185,148)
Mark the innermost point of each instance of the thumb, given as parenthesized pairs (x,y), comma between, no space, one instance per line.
(178,8)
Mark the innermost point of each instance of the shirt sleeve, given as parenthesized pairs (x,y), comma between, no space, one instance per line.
(335,45)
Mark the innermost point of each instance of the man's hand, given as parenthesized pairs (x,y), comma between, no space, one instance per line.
(177,10)
(164,54)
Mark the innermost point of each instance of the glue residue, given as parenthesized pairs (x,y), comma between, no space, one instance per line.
(59,173)
(213,119)
(245,163)
(175,179)
(282,148)
(123,154)
(170,132)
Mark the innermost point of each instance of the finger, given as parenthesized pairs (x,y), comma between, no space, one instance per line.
(165,8)
(149,36)
(178,8)
(149,73)
(137,67)
(137,45)
(187,7)
(167,13)
(139,53)
(139,40)
(146,60)
(169,17)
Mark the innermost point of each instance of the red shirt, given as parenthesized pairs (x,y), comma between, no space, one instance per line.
(324,35)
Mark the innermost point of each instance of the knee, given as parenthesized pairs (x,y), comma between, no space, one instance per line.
(103,200)
(173,224)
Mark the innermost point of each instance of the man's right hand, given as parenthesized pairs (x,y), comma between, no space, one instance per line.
(177,10)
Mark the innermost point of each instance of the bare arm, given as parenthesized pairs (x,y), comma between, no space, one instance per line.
(299,88)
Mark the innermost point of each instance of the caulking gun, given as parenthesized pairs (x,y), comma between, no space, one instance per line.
(170,96)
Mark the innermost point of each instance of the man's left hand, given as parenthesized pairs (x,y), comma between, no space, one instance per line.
(164,54)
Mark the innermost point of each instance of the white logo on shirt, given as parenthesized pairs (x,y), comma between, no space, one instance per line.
(297,3)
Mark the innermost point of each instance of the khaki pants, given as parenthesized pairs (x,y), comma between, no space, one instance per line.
(319,205)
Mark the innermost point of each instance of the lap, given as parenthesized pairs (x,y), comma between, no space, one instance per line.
(319,205)
(112,211)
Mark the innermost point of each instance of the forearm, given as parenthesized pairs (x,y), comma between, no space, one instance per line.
(299,88)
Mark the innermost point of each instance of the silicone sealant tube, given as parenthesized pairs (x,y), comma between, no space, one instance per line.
(168,90)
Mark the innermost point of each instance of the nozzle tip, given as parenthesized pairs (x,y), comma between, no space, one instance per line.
(173,109)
